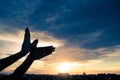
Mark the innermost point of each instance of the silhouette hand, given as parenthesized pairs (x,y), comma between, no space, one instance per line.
(26,46)
(40,52)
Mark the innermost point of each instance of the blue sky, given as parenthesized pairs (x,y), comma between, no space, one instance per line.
(67,19)
(90,25)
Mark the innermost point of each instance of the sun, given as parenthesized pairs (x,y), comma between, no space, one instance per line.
(63,67)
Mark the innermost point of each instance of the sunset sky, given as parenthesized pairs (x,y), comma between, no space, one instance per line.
(86,34)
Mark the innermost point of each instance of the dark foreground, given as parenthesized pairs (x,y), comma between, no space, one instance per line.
(68,77)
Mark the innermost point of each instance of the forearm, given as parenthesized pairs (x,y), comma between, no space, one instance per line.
(21,69)
(10,60)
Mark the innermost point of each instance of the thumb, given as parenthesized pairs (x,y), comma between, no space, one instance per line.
(34,43)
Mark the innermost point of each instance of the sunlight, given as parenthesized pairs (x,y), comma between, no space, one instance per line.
(64,67)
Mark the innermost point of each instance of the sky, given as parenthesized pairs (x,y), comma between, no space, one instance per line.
(84,32)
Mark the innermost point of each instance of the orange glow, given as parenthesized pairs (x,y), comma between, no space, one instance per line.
(64,67)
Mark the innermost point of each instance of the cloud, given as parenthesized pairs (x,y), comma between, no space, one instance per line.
(67,21)
(82,30)
(63,53)
(11,43)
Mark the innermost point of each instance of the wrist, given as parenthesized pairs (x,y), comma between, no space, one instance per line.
(20,54)
(30,57)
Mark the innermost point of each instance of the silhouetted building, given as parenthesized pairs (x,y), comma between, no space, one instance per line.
(63,74)
(84,73)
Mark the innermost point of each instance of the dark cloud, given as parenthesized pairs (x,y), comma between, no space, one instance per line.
(88,24)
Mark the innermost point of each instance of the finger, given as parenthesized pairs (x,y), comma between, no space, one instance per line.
(50,49)
(27,35)
(34,43)
(53,49)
